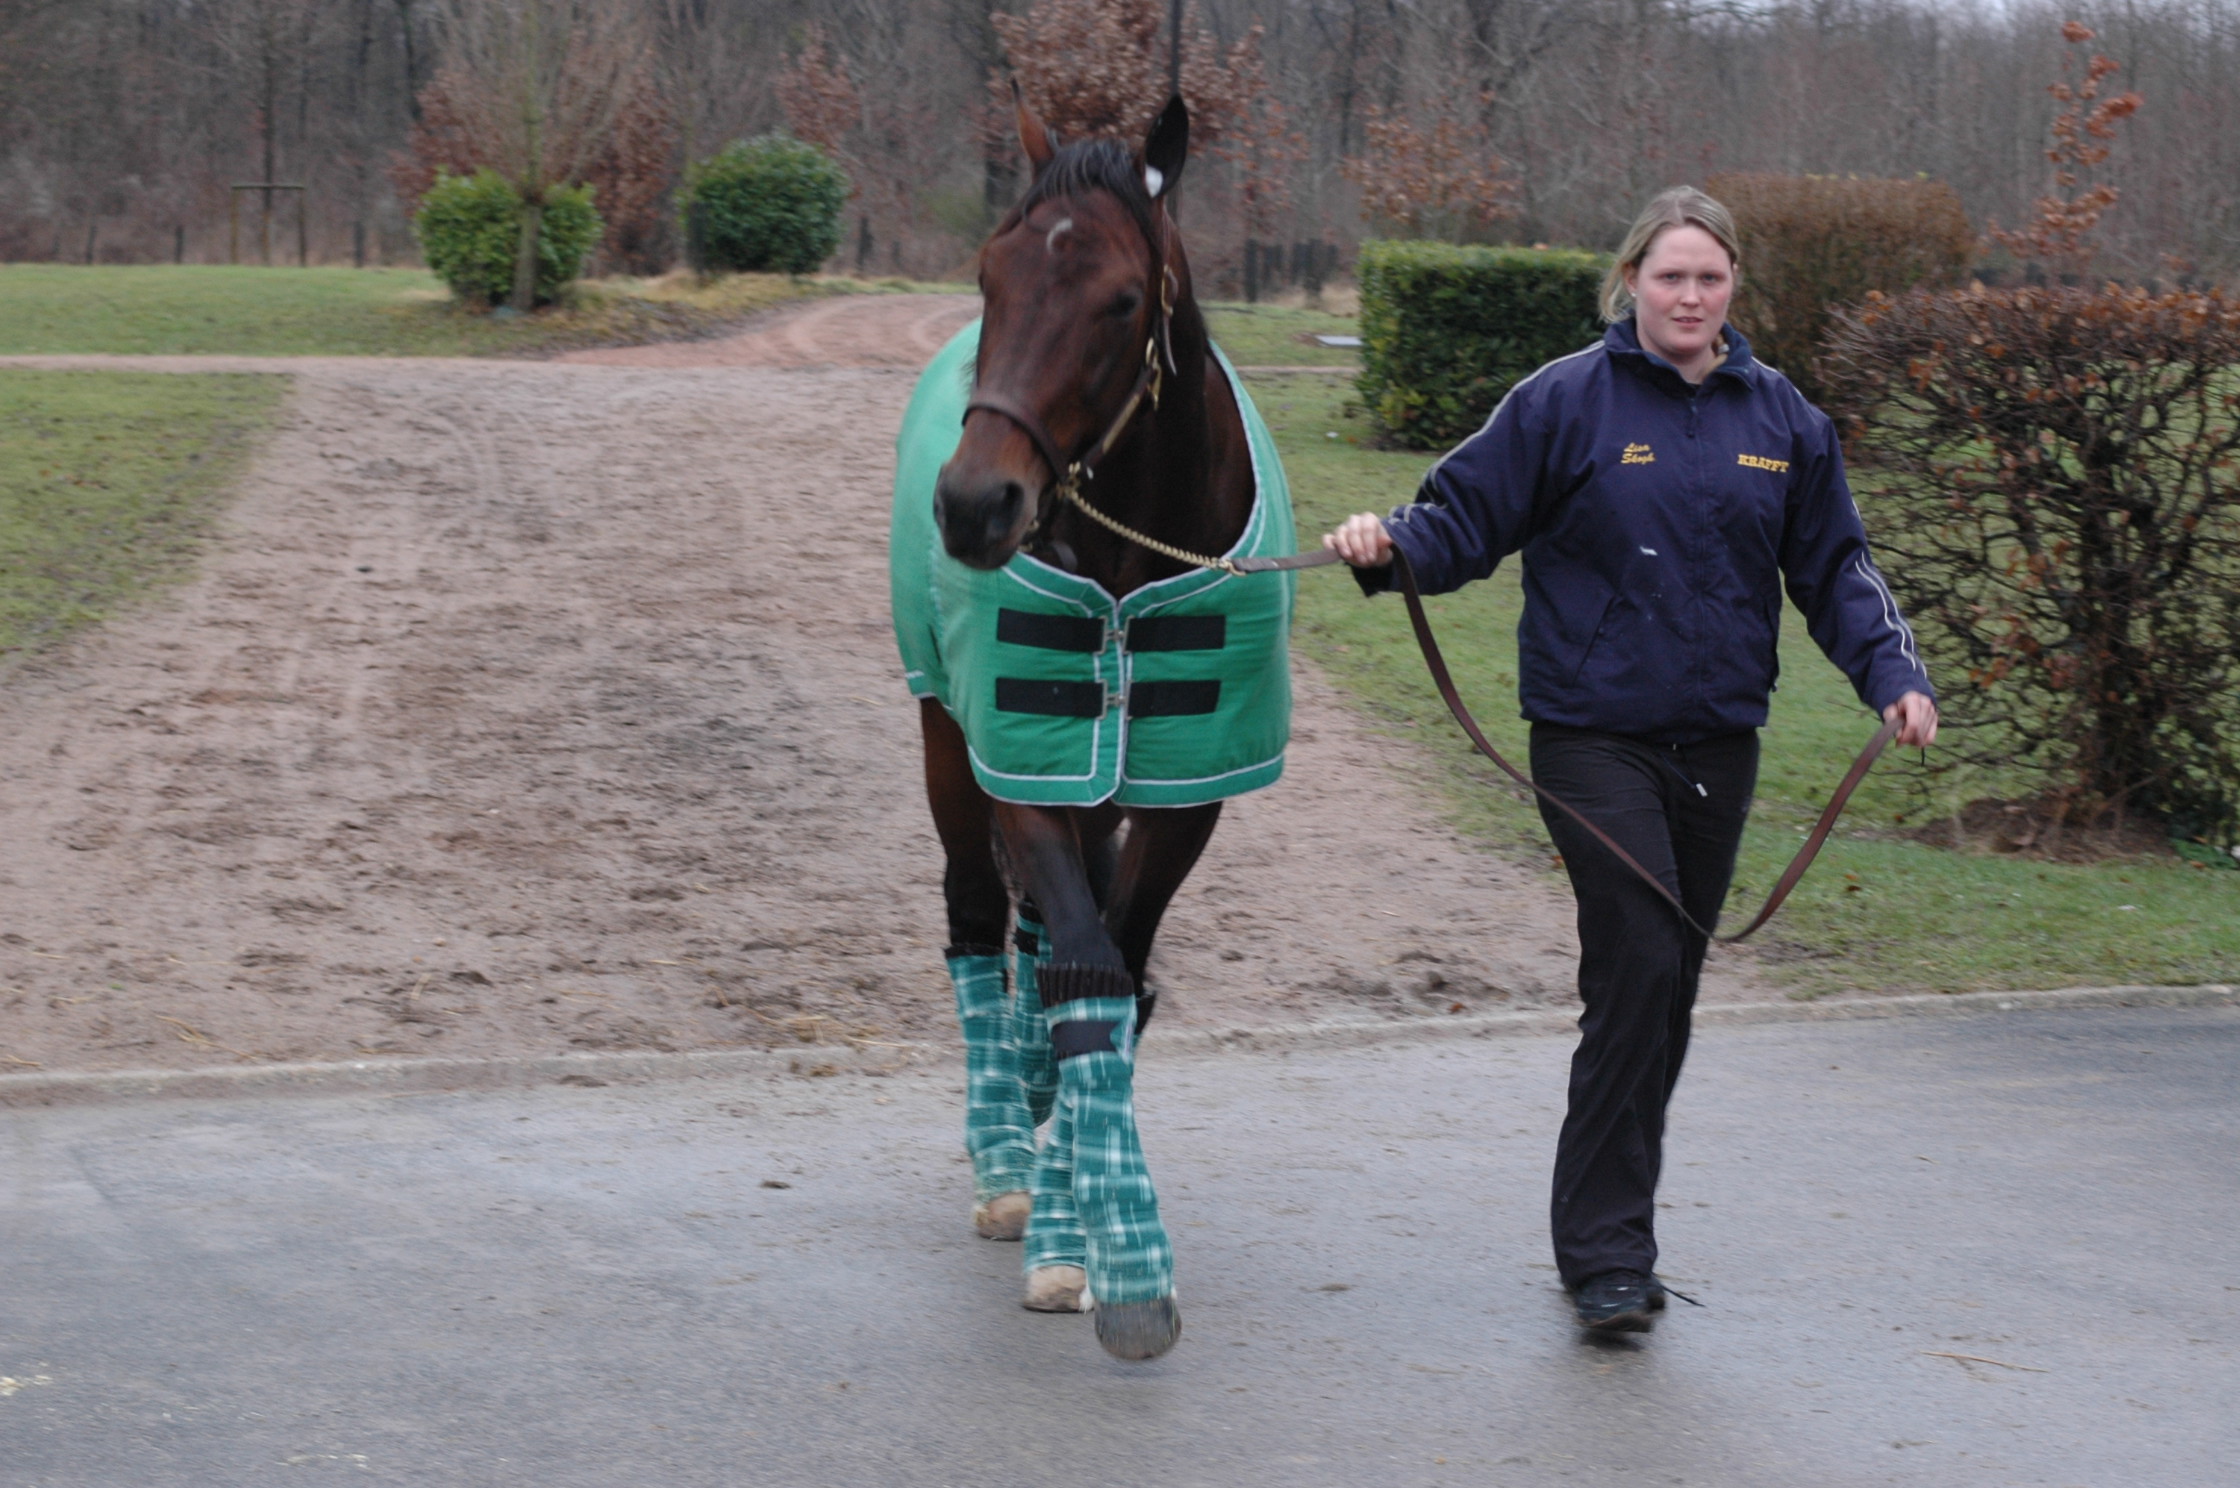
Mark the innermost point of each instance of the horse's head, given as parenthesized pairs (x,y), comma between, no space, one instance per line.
(1075,283)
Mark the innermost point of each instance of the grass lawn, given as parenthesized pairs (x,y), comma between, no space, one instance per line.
(1877,911)
(107,481)
(63,308)
(1280,336)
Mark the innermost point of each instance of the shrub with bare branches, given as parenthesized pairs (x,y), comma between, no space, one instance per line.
(1812,243)
(2054,475)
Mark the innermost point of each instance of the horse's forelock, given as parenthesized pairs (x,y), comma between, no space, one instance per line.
(1080,168)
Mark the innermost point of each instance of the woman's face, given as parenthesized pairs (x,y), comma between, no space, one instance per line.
(1680,294)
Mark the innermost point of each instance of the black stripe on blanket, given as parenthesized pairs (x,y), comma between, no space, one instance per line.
(1053,699)
(1050,632)
(1172,699)
(1178,633)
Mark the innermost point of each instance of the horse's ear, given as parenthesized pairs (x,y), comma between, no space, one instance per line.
(1035,137)
(1166,147)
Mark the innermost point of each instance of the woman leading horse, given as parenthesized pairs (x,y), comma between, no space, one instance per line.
(1662,486)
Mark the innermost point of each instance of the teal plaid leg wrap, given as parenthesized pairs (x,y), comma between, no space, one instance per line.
(1030,1031)
(1092,1012)
(1054,1235)
(997,1131)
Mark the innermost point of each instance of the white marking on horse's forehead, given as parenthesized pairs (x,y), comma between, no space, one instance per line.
(1050,239)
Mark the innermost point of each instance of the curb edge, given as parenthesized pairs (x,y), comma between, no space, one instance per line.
(409,1076)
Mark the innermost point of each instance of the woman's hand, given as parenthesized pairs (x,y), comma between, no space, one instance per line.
(1361,541)
(1916,715)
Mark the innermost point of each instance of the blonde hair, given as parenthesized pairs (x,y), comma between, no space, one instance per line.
(1675,206)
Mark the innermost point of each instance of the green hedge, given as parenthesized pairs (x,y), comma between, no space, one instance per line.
(470,231)
(769,205)
(1447,330)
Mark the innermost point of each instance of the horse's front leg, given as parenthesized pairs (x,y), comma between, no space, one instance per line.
(998,1122)
(1088,994)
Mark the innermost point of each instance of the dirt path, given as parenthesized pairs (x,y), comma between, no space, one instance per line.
(529,707)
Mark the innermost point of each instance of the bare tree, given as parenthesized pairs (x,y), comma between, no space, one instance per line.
(269,43)
(537,86)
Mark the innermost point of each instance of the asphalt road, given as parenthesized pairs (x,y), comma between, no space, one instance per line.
(573,1286)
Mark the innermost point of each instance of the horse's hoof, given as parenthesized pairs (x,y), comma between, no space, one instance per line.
(1055,1289)
(1139,1330)
(1003,1217)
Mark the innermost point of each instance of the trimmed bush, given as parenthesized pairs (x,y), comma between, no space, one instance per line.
(1813,243)
(470,233)
(1446,330)
(770,205)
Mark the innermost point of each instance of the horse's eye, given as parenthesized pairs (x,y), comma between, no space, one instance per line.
(1125,305)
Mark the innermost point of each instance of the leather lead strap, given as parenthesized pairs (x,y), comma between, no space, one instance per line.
(1444,681)
(1066,481)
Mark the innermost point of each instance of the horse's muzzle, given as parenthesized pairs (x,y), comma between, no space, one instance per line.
(982,519)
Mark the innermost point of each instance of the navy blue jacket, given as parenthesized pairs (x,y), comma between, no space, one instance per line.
(1657,522)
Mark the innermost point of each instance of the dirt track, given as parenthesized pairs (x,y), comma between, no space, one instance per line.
(528,707)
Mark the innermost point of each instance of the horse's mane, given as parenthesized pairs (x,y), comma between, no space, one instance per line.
(1084,166)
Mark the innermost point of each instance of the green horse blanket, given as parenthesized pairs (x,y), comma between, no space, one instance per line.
(1177,694)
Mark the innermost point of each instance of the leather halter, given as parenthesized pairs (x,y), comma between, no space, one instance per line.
(1067,476)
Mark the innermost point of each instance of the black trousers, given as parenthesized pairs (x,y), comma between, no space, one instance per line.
(1679,810)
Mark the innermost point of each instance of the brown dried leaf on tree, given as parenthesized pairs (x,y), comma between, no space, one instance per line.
(1263,146)
(1100,67)
(2061,232)
(1444,181)
(822,103)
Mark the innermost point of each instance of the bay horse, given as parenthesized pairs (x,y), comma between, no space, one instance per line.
(1092,361)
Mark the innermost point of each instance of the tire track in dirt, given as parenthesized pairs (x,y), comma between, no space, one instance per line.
(606,748)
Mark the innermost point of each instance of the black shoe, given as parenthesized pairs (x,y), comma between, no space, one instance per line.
(1619,1302)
